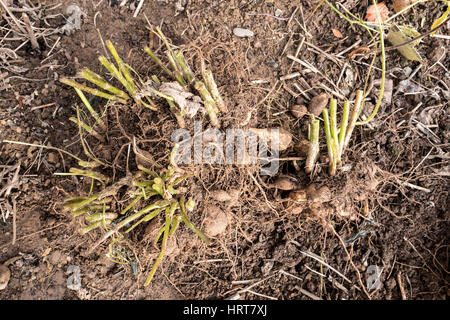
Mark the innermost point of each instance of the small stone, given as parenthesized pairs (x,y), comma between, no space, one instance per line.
(55,257)
(242,33)
(278,12)
(273,64)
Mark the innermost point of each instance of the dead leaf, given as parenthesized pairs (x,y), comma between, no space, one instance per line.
(337,33)
(188,103)
(397,37)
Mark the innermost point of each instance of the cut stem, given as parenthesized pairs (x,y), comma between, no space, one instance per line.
(333,129)
(158,62)
(121,64)
(208,102)
(212,87)
(93,91)
(102,83)
(354,116)
(187,72)
(313,151)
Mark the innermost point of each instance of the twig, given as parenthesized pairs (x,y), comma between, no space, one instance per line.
(29,27)
(138,9)
(14,216)
(13,17)
(290,76)
(400,285)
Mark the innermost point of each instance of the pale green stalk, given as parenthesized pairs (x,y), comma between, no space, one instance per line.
(208,103)
(90,109)
(117,74)
(121,65)
(344,124)
(333,129)
(313,151)
(354,116)
(93,91)
(102,83)
(158,62)
(212,88)
(329,138)
(187,72)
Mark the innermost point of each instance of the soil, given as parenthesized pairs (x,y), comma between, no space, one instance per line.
(393,184)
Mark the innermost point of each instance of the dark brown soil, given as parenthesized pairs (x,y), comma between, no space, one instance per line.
(398,176)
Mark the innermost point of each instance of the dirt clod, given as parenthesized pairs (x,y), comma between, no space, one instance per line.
(302,147)
(216,221)
(318,194)
(284,183)
(270,135)
(299,111)
(318,103)
(221,195)
(399,5)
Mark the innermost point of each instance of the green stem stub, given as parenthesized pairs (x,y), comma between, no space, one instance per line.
(208,102)
(313,151)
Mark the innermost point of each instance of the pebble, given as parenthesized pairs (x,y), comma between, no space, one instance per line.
(242,33)
(273,64)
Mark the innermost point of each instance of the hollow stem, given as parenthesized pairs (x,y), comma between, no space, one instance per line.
(187,72)
(333,129)
(93,91)
(313,151)
(212,87)
(121,64)
(117,74)
(102,83)
(157,61)
(208,102)
(354,116)
(344,124)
